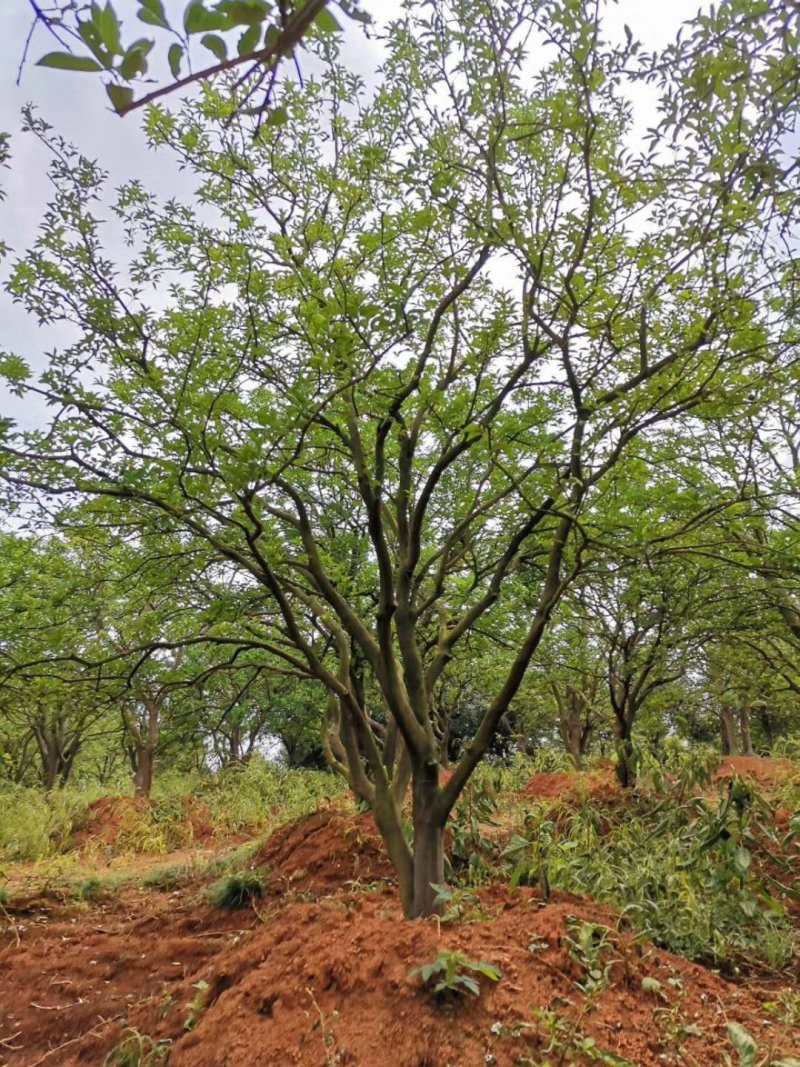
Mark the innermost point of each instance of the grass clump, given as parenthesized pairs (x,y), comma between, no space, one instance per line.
(138,1050)
(167,877)
(257,796)
(36,825)
(237,890)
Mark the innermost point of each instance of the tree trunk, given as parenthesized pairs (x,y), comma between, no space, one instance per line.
(49,769)
(390,825)
(625,769)
(428,840)
(570,726)
(767,725)
(57,756)
(744,730)
(727,726)
(143,771)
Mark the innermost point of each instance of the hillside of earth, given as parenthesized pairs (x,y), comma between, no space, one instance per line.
(581,925)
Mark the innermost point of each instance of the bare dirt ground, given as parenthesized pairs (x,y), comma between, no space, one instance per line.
(316,974)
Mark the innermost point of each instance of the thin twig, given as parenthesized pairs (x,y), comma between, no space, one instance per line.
(12,924)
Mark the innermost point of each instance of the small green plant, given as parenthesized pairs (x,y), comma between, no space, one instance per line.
(454,975)
(471,851)
(138,1050)
(747,1051)
(89,889)
(564,1037)
(458,905)
(237,890)
(197,1005)
(590,946)
(786,1006)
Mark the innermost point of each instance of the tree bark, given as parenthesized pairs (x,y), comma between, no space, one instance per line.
(570,736)
(145,760)
(387,818)
(728,738)
(625,768)
(57,755)
(428,840)
(744,731)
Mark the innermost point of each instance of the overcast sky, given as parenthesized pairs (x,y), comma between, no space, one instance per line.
(75,105)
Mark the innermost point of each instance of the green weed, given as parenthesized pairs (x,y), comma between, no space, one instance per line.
(236,890)
(197,1005)
(138,1050)
(451,974)
(167,877)
(681,870)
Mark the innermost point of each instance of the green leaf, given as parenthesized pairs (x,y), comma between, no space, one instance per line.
(174,58)
(278,116)
(152,11)
(120,96)
(134,62)
(214,43)
(248,42)
(468,983)
(198,19)
(90,35)
(67,61)
(741,860)
(326,22)
(749,906)
(108,27)
(744,1044)
(517,844)
(244,12)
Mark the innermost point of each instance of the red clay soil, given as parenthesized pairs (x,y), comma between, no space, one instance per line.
(322,852)
(108,817)
(112,818)
(764,771)
(66,972)
(600,784)
(327,982)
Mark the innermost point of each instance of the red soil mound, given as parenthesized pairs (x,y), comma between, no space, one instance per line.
(327,982)
(66,973)
(319,853)
(600,784)
(108,817)
(764,771)
(115,821)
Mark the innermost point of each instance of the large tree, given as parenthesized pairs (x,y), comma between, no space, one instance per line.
(401,349)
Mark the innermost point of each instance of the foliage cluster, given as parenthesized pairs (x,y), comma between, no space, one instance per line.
(706,877)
